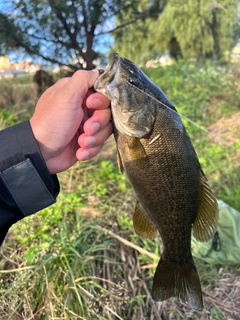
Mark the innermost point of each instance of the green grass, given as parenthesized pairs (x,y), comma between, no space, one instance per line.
(26,79)
(80,258)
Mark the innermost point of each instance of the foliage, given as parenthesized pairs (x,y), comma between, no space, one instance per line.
(202,94)
(201,28)
(189,29)
(17,100)
(132,41)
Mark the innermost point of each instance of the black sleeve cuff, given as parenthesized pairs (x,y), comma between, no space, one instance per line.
(17,144)
(27,188)
(26,185)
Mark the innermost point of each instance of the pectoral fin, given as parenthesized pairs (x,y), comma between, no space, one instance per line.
(120,164)
(142,224)
(137,153)
(205,224)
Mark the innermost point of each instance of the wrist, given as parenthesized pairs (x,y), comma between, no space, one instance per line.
(37,132)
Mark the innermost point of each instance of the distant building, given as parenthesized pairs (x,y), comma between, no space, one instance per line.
(4,63)
(21,65)
(16,69)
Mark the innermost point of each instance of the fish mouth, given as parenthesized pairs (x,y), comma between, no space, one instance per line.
(107,77)
(113,64)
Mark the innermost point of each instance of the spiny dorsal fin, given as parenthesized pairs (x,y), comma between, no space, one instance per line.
(142,225)
(205,224)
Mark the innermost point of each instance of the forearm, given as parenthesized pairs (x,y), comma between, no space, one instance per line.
(26,185)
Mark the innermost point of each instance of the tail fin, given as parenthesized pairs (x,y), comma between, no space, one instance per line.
(182,281)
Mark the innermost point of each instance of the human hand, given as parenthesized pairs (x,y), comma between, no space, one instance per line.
(71,121)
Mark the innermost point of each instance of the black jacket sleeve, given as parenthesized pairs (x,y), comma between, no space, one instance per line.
(26,185)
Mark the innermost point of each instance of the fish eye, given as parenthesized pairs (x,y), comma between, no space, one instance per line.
(134,82)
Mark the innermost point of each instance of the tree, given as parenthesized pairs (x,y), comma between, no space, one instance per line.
(202,28)
(190,29)
(132,41)
(72,32)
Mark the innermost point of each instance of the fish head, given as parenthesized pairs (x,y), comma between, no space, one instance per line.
(127,87)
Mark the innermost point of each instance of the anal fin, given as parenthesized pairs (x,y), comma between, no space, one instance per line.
(142,224)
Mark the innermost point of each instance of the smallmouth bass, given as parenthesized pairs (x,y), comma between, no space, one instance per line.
(173,196)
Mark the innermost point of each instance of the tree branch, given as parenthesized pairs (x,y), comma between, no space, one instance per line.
(63,43)
(31,50)
(60,16)
(76,25)
(119,27)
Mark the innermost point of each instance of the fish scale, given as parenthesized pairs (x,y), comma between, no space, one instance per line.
(173,196)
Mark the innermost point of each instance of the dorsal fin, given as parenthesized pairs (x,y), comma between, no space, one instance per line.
(205,224)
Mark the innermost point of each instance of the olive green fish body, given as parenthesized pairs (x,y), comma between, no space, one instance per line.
(165,181)
(173,196)
(170,208)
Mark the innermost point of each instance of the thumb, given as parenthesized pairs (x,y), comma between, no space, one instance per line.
(79,84)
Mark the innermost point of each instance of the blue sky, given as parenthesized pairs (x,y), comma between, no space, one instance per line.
(20,55)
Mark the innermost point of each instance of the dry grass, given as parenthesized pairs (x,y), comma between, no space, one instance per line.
(221,295)
(227,129)
(124,292)
(17,95)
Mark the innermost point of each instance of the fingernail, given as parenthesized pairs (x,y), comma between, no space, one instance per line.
(95,127)
(89,142)
(85,155)
(96,103)
(96,70)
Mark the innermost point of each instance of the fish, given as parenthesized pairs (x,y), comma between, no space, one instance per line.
(173,197)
